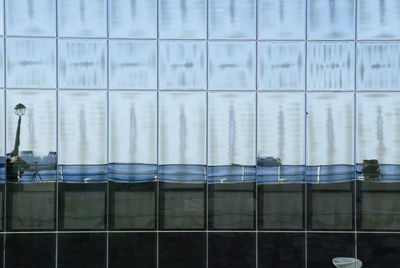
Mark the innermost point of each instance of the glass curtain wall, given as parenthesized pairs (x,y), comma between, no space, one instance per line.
(199,133)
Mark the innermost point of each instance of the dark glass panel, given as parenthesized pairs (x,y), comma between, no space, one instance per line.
(378,250)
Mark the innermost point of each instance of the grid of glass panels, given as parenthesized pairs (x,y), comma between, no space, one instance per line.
(240,133)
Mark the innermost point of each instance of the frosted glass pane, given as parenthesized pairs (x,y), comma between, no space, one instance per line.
(82,127)
(232,19)
(38,124)
(133,18)
(280,128)
(232,65)
(330,129)
(183,65)
(331,19)
(231,128)
(182,128)
(281,19)
(82,64)
(133,64)
(133,127)
(31,17)
(330,66)
(183,19)
(31,63)
(82,18)
(378,117)
(1,64)
(281,65)
(378,66)
(378,19)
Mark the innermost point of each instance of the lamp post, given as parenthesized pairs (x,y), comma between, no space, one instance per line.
(19,110)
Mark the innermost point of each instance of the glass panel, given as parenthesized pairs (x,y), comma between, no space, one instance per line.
(1,62)
(280,160)
(31,160)
(39,250)
(82,250)
(2,143)
(281,250)
(135,124)
(85,111)
(375,249)
(183,65)
(330,66)
(281,65)
(232,250)
(82,18)
(323,247)
(281,19)
(132,205)
(181,250)
(378,19)
(133,64)
(133,18)
(127,250)
(231,129)
(182,128)
(330,169)
(31,63)
(232,65)
(330,129)
(82,64)
(378,161)
(378,66)
(1,18)
(183,19)
(331,19)
(31,17)
(232,19)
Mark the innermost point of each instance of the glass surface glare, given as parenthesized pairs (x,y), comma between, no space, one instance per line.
(331,19)
(182,19)
(231,65)
(133,18)
(281,19)
(31,63)
(133,64)
(82,64)
(232,19)
(82,18)
(281,65)
(330,66)
(183,65)
(32,18)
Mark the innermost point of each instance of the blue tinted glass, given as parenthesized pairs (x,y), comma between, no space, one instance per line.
(82,64)
(183,19)
(82,129)
(232,65)
(330,66)
(331,19)
(232,19)
(281,65)
(378,66)
(1,64)
(31,17)
(133,64)
(378,19)
(182,128)
(183,65)
(231,128)
(31,63)
(281,19)
(330,129)
(133,18)
(82,18)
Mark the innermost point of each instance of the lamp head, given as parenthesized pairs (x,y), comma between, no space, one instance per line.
(19,109)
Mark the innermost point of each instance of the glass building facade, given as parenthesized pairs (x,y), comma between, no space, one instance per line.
(199,133)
